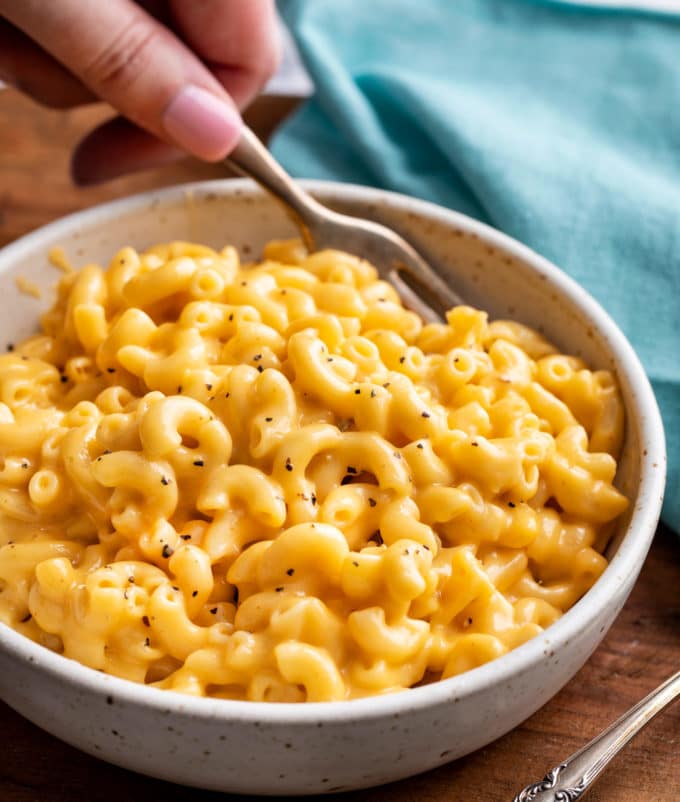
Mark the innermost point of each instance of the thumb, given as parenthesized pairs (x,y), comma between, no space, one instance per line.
(138,65)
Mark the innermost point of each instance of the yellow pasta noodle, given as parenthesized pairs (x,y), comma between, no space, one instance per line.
(272,482)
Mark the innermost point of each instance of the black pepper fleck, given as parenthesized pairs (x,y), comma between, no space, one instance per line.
(168,551)
(289,464)
(351,469)
(269,420)
(63,379)
(279,589)
(145,621)
(511,504)
(213,610)
(208,386)
(424,414)
(164,481)
(420,445)
(199,463)
(194,593)
(110,370)
(372,502)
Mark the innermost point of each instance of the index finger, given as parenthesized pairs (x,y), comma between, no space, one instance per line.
(138,65)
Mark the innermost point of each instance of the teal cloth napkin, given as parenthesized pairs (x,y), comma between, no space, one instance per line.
(555,123)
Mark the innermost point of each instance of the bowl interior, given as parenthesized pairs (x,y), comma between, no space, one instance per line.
(489,271)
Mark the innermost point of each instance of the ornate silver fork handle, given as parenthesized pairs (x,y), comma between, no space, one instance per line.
(571,779)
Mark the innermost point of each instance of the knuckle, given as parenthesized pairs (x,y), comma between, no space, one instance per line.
(266,63)
(271,62)
(118,65)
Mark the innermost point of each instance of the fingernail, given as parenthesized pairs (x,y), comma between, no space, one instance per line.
(201,123)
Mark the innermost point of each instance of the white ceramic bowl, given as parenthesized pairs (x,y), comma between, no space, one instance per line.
(288,749)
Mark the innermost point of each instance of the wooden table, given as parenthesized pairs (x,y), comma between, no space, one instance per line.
(642,648)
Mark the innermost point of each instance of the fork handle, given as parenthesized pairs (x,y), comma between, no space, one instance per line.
(252,159)
(571,779)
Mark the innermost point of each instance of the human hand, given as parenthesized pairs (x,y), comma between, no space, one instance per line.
(178,71)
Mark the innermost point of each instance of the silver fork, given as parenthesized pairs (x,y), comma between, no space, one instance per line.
(571,779)
(418,285)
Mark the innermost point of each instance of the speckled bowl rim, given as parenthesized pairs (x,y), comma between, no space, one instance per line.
(628,558)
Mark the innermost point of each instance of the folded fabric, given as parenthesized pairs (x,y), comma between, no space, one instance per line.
(553,121)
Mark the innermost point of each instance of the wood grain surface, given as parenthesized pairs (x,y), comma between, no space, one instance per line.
(640,651)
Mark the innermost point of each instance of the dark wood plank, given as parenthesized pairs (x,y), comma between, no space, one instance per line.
(642,648)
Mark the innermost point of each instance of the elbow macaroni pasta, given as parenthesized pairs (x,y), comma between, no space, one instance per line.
(272,482)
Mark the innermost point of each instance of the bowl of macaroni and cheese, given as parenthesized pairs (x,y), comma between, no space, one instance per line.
(264,530)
